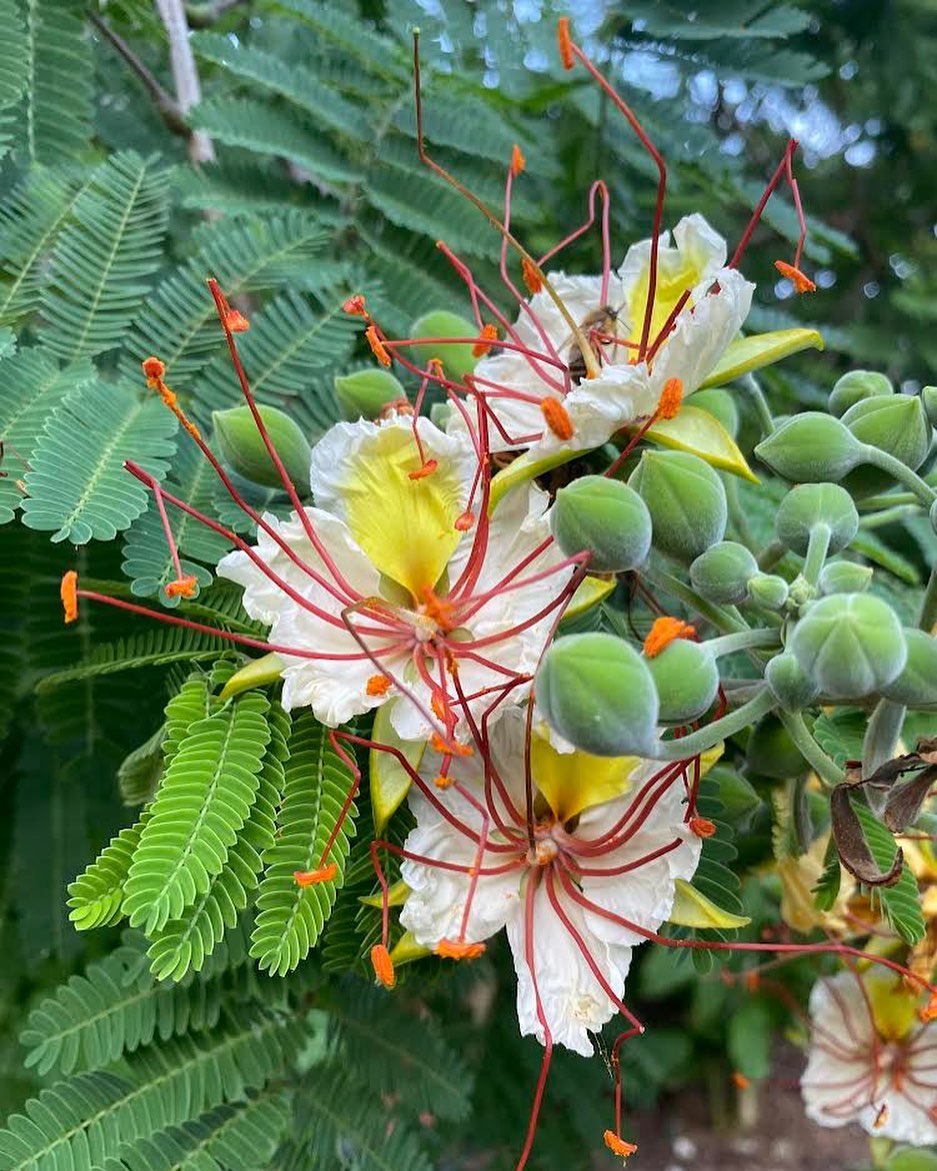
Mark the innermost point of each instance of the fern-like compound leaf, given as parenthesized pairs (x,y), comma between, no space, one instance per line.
(203,801)
(290,918)
(105,258)
(95,896)
(77,485)
(55,124)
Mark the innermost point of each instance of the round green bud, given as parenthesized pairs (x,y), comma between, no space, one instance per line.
(856,386)
(769,590)
(723,572)
(597,692)
(604,517)
(790,685)
(686,500)
(456,357)
(721,405)
(916,685)
(809,505)
(687,679)
(771,752)
(929,401)
(245,451)
(365,393)
(811,447)
(851,645)
(896,424)
(844,577)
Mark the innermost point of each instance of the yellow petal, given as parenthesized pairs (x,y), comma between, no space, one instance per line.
(406,950)
(691,908)
(396,896)
(590,591)
(710,757)
(572,781)
(522,470)
(894,1009)
(390,781)
(673,280)
(699,432)
(406,527)
(256,673)
(761,349)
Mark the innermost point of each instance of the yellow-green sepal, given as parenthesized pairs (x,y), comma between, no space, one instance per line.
(396,896)
(590,591)
(256,673)
(691,908)
(390,781)
(406,950)
(700,433)
(761,349)
(522,470)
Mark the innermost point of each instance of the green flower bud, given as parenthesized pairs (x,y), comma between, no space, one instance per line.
(721,405)
(456,357)
(605,517)
(929,400)
(365,393)
(809,505)
(844,577)
(856,386)
(790,685)
(597,692)
(686,500)
(811,447)
(916,685)
(896,424)
(722,573)
(243,447)
(772,753)
(687,680)
(768,590)
(850,645)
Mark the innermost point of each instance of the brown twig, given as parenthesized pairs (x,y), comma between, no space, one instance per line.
(185,74)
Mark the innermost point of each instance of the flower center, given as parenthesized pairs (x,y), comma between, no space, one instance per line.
(545,848)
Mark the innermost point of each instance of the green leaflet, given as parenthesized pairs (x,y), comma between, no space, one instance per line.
(203,801)
(289,917)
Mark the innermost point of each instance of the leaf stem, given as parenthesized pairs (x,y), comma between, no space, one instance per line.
(825,768)
(709,737)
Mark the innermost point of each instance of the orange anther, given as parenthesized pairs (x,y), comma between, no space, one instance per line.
(383,965)
(929,1012)
(453,949)
(68,591)
(236,322)
(449,747)
(752,981)
(378,685)
(566,56)
(182,587)
(617,1145)
(518,161)
(314,877)
(153,368)
(801,282)
(532,278)
(378,349)
(424,470)
(355,306)
(670,399)
(441,781)
(490,334)
(464,522)
(702,827)
(740,1081)
(439,609)
(557,418)
(663,633)
(881,1117)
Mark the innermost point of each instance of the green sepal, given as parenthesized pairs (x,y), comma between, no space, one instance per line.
(691,908)
(761,349)
(390,781)
(255,673)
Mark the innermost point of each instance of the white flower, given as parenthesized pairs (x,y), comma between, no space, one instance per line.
(871,1061)
(559,905)
(515,385)
(397,558)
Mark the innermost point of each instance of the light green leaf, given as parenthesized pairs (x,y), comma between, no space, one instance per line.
(761,349)
(701,433)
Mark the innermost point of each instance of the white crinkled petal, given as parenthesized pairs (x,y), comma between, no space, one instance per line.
(600,406)
(905,1120)
(335,690)
(644,896)
(702,334)
(573,1002)
(839,1083)
(336,453)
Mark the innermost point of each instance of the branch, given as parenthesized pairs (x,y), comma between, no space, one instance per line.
(185,74)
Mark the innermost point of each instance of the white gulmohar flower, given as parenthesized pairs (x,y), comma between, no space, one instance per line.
(541,900)
(871,1060)
(397,545)
(624,389)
